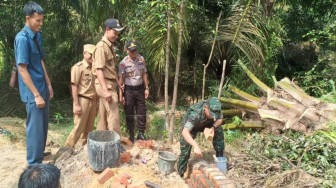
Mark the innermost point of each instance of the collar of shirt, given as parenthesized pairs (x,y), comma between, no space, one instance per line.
(30,32)
(133,61)
(107,41)
(86,64)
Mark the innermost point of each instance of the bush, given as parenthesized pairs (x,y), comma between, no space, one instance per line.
(314,154)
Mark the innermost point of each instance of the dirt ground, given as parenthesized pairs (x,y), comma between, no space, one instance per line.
(76,171)
(73,163)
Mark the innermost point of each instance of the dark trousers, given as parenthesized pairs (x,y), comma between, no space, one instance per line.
(217,142)
(135,100)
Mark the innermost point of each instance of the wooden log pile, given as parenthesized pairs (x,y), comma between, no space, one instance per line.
(286,106)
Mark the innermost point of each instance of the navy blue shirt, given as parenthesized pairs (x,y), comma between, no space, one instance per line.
(26,52)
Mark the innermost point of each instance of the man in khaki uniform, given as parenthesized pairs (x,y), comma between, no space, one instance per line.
(84,98)
(104,68)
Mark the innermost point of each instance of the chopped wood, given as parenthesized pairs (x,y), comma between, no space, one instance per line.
(285,107)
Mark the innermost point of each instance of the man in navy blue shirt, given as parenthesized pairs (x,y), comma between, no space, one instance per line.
(34,83)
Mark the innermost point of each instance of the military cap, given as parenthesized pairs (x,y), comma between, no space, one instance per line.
(214,107)
(130,46)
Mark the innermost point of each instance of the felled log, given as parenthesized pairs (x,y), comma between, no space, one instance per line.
(232,112)
(244,124)
(248,106)
(287,106)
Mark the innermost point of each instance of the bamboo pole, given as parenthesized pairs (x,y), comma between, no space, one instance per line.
(274,80)
(244,95)
(222,80)
(261,85)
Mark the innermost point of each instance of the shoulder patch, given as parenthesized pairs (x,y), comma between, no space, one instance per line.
(79,63)
(99,44)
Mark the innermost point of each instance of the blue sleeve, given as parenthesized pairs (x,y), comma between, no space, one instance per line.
(21,50)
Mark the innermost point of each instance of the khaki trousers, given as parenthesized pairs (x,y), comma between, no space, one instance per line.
(101,119)
(109,117)
(83,123)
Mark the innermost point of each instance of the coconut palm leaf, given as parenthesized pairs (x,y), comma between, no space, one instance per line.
(242,34)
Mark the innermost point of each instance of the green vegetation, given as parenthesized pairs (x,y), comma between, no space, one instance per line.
(314,154)
(295,39)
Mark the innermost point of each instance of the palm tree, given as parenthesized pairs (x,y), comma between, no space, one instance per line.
(240,32)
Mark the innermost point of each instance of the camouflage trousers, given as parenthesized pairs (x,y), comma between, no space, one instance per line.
(217,142)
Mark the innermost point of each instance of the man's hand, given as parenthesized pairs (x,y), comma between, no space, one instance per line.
(198,152)
(39,101)
(146,93)
(212,130)
(77,109)
(107,95)
(51,92)
(122,100)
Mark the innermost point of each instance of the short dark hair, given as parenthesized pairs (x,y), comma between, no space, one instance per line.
(40,176)
(32,7)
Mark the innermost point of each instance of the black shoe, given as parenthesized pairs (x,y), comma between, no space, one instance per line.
(131,137)
(46,154)
(141,136)
(122,149)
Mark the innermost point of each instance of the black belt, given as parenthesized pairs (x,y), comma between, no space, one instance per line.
(111,79)
(85,97)
(139,87)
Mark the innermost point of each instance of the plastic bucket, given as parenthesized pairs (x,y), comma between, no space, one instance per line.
(103,149)
(166,161)
(221,164)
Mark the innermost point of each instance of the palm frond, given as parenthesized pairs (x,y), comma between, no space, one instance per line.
(242,34)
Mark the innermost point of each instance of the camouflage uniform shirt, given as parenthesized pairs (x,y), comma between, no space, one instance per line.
(195,119)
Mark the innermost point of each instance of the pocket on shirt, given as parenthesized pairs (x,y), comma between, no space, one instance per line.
(129,72)
(86,79)
(141,68)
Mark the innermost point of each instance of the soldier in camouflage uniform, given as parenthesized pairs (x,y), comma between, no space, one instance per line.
(199,116)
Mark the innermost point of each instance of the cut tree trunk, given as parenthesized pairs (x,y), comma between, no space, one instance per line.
(285,107)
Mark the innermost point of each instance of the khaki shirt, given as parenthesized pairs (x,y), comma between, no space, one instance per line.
(104,58)
(81,76)
(132,71)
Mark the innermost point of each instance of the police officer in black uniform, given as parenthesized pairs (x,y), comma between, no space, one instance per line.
(133,73)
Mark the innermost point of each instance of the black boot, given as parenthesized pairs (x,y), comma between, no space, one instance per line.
(131,137)
(219,153)
(141,136)
(122,149)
